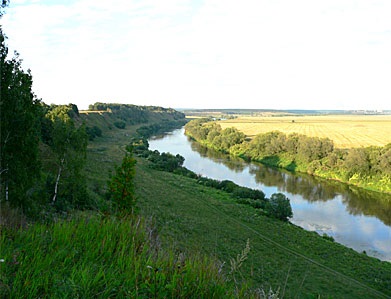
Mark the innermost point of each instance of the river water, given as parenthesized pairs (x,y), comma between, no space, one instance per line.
(356,218)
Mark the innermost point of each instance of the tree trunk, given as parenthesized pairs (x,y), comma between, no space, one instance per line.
(57,181)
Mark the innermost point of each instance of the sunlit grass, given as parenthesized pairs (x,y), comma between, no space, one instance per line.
(95,257)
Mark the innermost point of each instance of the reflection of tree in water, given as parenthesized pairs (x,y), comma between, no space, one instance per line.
(363,202)
(234,164)
(357,201)
(304,185)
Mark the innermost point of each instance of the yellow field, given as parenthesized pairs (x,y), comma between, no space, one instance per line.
(345,130)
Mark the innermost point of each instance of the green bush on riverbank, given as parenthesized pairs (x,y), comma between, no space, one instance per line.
(368,168)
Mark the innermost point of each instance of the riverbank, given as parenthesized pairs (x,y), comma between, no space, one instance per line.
(282,256)
(191,218)
(367,168)
(354,217)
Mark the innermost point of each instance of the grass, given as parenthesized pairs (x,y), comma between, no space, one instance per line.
(347,131)
(282,256)
(101,257)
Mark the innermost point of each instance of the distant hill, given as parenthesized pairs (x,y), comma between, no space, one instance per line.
(106,116)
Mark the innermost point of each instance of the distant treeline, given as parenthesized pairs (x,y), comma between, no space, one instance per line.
(160,128)
(133,114)
(368,167)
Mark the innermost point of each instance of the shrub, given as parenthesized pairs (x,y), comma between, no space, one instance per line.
(279,207)
(120,124)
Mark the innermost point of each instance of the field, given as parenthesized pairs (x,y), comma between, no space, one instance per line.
(347,131)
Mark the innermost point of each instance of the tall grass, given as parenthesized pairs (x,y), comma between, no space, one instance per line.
(97,257)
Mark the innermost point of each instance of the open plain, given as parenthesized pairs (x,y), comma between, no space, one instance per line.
(346,131)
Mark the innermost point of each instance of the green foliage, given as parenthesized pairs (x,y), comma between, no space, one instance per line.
(230,187)
(279,207)
(213,136)
(165,161)
(133,114)
(19,132)
(93,132)
(120,124)
(68,145)
(121,185)
(139,146)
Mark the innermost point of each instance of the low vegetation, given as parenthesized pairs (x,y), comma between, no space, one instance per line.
(91,256)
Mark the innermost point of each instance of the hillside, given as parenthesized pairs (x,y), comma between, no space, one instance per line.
(206,231)
(191,218)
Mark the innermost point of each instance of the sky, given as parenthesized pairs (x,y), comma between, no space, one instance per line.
(260,54)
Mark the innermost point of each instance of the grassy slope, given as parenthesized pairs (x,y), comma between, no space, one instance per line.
(90,256)
(194,218)
(299,263)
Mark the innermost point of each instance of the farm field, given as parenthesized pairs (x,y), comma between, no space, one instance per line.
(346,131)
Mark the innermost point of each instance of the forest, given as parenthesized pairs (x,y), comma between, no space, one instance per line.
(368,167)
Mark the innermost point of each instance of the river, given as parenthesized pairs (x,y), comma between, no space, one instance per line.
(356,218)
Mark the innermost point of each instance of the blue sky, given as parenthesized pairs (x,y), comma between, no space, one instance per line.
(279,54)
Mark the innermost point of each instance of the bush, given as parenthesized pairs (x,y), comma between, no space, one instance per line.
(120,124)
(121,185)
(278,206)
(93,132)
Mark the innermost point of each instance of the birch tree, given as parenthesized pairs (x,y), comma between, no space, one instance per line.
(69,144)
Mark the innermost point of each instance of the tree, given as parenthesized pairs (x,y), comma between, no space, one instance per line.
(19,130)
(279,207)
(121,185)
(357,162)
(69,146)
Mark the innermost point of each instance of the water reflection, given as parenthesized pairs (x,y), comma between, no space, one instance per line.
(233,163)
(357,201)
(354,217)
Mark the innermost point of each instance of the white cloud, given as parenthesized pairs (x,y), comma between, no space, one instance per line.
(260,54)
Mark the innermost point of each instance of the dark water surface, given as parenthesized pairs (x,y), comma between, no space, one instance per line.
(354,217)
